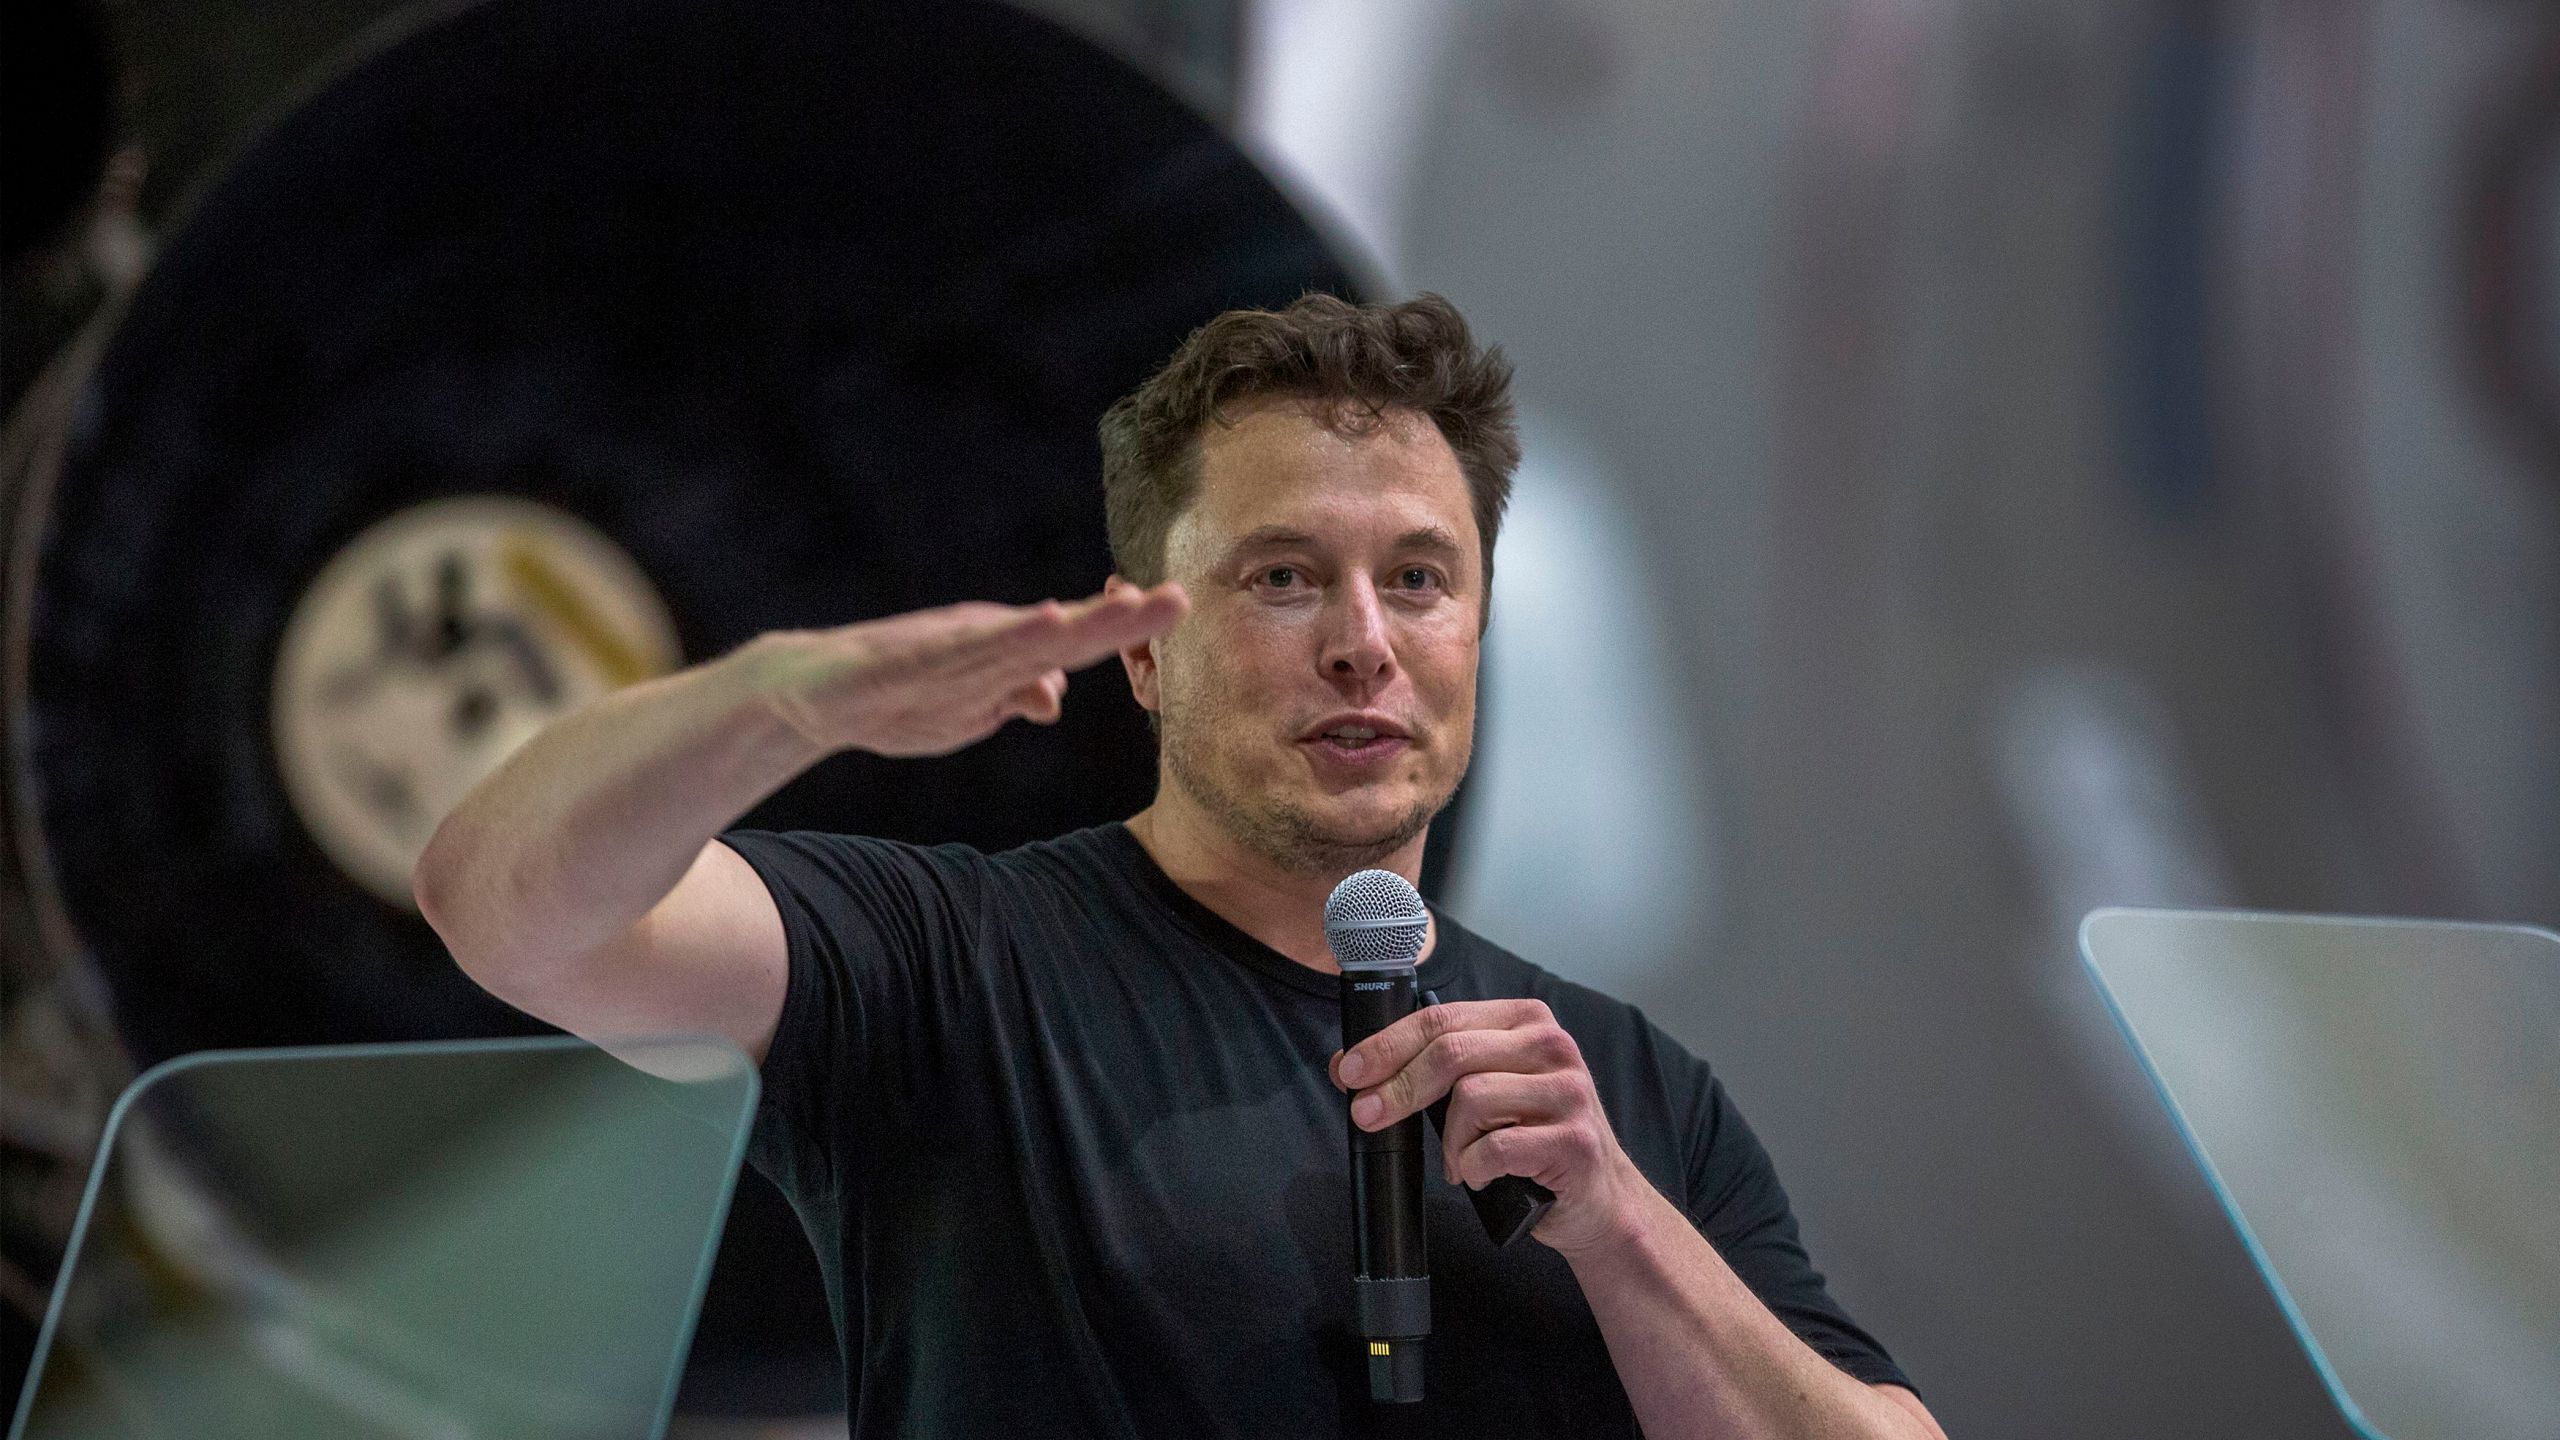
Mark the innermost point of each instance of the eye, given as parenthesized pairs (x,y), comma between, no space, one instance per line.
(1418,577)
(1280,577)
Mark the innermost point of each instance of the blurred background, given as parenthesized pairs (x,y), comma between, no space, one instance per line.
(1986,459)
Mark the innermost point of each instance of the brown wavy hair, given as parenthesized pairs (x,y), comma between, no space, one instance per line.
(1369,359)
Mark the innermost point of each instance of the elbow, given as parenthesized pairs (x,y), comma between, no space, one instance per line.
(466,895)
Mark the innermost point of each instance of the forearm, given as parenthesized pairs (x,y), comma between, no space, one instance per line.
(1700,1355)
(596,818)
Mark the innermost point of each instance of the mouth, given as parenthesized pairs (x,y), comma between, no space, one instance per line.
(1357,739)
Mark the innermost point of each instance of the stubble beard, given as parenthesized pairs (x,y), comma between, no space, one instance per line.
(1290,837)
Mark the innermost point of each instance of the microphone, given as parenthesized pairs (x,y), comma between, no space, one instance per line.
(1375,924)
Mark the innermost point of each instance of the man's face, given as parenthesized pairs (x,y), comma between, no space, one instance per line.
(1319,699)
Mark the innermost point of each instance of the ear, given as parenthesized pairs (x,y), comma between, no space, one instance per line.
(1139,659)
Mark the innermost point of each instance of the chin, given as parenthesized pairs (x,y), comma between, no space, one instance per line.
(1381,824)
(1371,823)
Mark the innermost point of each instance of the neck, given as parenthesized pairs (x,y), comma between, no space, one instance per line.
(1280,907)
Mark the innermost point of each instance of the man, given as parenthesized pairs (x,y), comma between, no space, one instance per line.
(1061,1121)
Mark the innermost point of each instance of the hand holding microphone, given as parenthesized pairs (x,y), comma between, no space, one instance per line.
(1520,1103)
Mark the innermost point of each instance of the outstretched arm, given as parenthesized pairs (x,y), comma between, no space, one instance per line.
(581,883)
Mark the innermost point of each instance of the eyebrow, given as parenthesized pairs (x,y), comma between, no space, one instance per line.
(1428,539)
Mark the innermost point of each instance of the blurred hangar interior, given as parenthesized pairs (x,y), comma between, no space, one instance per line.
(1986,460)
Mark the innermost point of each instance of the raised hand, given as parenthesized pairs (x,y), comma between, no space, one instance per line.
(932,681)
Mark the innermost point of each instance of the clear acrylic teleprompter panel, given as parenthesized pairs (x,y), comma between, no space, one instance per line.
(501,1238)
(2377,1103)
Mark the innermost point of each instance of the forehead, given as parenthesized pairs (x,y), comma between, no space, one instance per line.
(1280,463)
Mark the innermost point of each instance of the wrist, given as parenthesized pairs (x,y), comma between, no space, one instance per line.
(775,674)
(1620,1209)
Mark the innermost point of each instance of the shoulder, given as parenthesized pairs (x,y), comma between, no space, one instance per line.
(1080,858)
(822,874)
(824,858)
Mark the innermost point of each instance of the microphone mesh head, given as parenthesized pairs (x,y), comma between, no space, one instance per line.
(1374,920)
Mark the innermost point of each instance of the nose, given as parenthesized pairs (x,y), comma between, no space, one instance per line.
(1356,645)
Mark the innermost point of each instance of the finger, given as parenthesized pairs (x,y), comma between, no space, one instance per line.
(972,633)
(1448,1059)
(940,641)
(1041,701)
(997,642)
(1488,1101)
(1055,635)
(1392,1048)
(1108,623)
(1548,1154)
(1100,626)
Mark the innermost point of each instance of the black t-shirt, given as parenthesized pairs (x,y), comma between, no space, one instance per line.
(1064,1142)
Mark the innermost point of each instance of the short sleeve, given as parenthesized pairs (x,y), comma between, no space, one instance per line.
(867,922)
(1735,1200)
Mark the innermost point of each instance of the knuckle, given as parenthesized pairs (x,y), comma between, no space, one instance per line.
(1456,1050)
(1556,1048)
(1578,1098)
